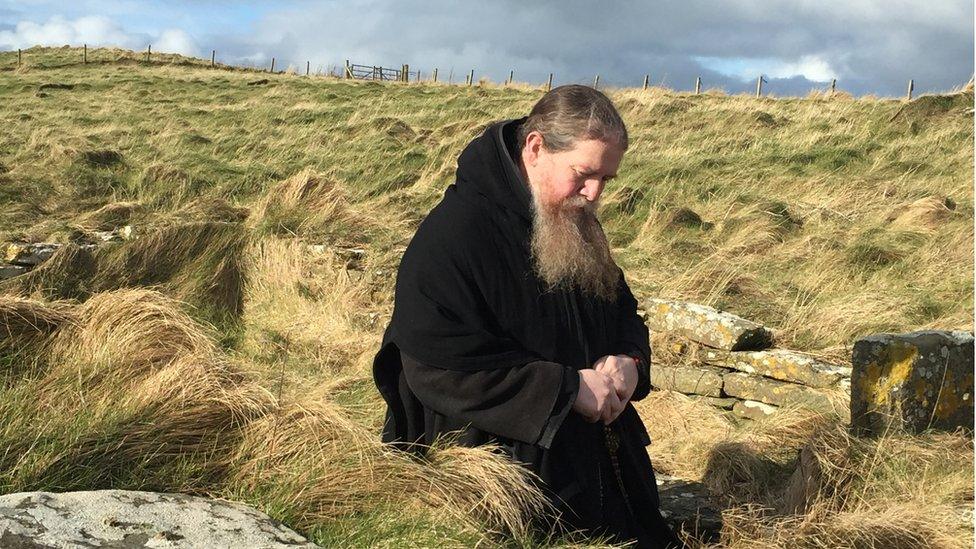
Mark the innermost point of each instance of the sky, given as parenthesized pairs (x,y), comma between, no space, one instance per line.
(869,46)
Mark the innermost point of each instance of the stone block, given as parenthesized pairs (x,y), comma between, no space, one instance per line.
(782,393)
(29,255)
(781,364)
(916,381)
(707,325)
(687,506)
(751,409)
(697,380)
(10,271)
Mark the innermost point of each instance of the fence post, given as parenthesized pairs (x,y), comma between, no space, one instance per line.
(272,65)
(511,76)
(911,87)
(418,75)
(149,53)
(406,72)
(549,84)
(698,86)
(308,65)
(833,86)
(596,82)
(18,57)
(646,77)
(348,73)
(85,59)
(213,57)
(471,78)
(759,82)
(435,75)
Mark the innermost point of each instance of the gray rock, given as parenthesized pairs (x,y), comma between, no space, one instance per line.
(698,380)
(687,505)
(29,255)
(707,325)
(915,381)
(118,518)
(726,403)
(781,364)
(781,393)
(10,271)
(751,409)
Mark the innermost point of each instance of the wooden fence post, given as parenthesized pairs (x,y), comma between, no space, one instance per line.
(308,65)
(759,82)
(272,65)
(149,53)
(18,57)
(911,87)
(418,75)
(471,78)
(348,73)
(406,72)
(85,59)
(833,86)
(646,77)
(596,82)
(435,75)
(549,84)
(511,76)
(698,85)
(213,58)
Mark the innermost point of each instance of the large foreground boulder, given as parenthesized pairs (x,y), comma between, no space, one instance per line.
(915,381)
(707,325)
(118,518)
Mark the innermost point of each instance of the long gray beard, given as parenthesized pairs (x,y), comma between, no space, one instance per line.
(570,249)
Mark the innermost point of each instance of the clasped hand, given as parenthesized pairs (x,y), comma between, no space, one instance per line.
(605,388)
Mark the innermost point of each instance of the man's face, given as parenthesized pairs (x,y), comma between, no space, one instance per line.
(569,247)
(577,176)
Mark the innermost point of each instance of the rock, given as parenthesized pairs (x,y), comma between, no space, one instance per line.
(29,255)
(707,325)
(781,393)
(726,403)
(10,271)
(781,364)
(804,485)
(751,409)
(916,381)
(686,505)
(118,518)
(698,380)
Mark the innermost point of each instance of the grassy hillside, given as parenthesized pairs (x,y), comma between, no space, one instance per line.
(271,212)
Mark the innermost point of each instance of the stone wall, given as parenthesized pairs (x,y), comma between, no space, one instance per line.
(729,362)
(920,380)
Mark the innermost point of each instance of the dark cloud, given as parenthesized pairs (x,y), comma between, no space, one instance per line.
(870,46)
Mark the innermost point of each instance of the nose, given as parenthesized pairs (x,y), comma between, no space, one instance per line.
(592,188)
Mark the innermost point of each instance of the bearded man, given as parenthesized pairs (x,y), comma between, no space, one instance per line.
(512,325)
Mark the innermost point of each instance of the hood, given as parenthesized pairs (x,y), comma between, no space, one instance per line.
(486,168)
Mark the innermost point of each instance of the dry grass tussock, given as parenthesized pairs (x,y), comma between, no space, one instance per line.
(307,303)
(130,392)
(306,204)
(799,479)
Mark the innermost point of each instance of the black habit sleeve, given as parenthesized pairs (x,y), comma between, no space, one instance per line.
(526,403)
(633,337)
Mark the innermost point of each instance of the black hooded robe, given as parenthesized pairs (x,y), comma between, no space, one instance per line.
(478,347)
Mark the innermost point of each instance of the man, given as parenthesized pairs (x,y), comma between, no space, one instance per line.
(513,325)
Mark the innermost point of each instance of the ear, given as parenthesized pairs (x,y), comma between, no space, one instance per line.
(532,147)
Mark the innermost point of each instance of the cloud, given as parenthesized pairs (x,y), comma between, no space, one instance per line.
(176,41)
(870,46)
(57,31)
(94,30)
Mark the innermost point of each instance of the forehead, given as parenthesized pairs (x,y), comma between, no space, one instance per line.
(594,154)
